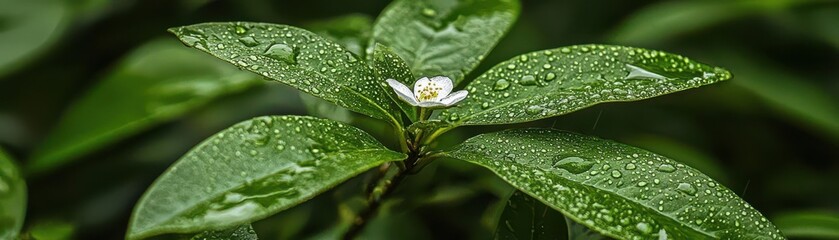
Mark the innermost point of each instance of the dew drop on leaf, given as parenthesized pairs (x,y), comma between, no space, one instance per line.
(281,52)
(501,84)
(666,168)
(574,165)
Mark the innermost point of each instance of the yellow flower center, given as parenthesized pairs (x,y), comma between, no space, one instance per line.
(428,92)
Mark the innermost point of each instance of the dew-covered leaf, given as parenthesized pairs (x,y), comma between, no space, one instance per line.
(388,65)
(558,81)
(252,170)
(351,31)
(12,198)
(157,82)
(446,38)
(809,224)
(296,57)
(615,189)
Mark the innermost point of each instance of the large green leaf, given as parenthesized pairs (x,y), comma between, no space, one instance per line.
(558,81)
(12,198)
(617,190)
(157,82)
(809,224)
(449,38)
(298,58)
(252,170)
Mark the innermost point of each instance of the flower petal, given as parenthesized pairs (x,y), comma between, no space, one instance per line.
(455,97)
(431,104)
(445,84)
(402,91)
(419,85)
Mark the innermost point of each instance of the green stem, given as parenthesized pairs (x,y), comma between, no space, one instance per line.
(375,199)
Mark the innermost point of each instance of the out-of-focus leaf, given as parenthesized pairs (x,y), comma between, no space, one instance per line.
(553,82)
(26,28)
(321,108)
(795,96)
(527,218)
(12,198)
(299,58)
(157,82)
(351,31)
(447,38)
(615,189)
(668,19)
(244,232)
(808,224)
(252,170)
(686,154)
(52,230)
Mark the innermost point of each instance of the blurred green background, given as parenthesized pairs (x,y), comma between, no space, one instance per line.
(97,99)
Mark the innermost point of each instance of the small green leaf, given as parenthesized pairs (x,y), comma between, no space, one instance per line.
(157,82)
(388,65)
(617,190)
(243,232)
(351,31)
(809,224)
(12,198)
(252,170)
(296,57)
(558,81)
(447,38)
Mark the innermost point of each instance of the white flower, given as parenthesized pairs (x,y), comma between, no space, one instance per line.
(429,93)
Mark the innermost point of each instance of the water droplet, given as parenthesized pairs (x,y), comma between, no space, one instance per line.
(640,73)
(511,66)
(248,41)
(428,12)
(574,165)
(630,166)
(666,168)
(528,80)
(616,174)
(241,30)
(550,77)
(546,66)
(686,188)
(281,52)
(485,105)
(523,58)
(501,84)
(642,184)
(643,227)
(533,110)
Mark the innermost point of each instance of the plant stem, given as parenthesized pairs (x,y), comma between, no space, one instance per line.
(374,199)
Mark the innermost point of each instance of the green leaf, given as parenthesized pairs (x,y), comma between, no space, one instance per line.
(351,31)
(298,58)
(553,82)
(808,224)
(388,65)
(155,83)
(52,229)
(666,20)
(27,28)
(12,198)
(252,170)
(617,190)
(243,232)
(447,38)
